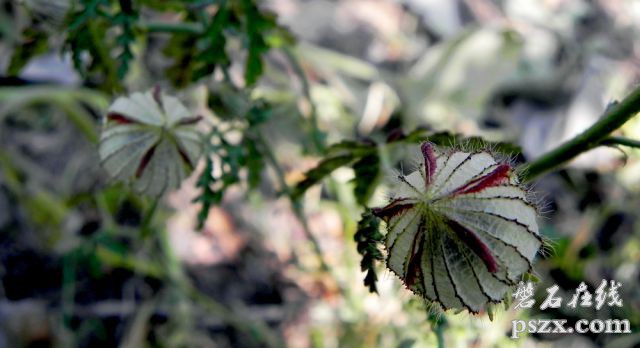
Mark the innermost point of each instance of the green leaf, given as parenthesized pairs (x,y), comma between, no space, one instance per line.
(356,147)
(258,114)
(255,163)
(530,277)
(368,237)
(256,24)
(318,173)
(89,41)
(262,33)
(182,48)
(338,155)
(163,5)
(229,102)
(367,173)
(214,43)
(34,42)
(126,19)
(208,195)
(197,55)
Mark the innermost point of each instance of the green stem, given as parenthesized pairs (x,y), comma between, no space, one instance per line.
(111,71)
(146,227)
(297,206)
(67,99)
(621,141)
(167,27)
(594,136)
(68,293)
(171,272)
(316,135)
(103,207)
(438,325)
(80,118)
(258,331)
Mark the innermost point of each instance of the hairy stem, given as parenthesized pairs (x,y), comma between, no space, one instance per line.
(594,136)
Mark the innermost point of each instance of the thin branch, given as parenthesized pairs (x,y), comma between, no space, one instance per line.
(169,27)
(297,206)
(306,91)
(594,136)
(621,141)
(146,228)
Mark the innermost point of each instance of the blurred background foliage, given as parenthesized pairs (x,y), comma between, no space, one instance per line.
(231,258)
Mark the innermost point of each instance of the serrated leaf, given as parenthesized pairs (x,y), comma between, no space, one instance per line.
(208,196)
(337,155)
(358,147)
(324,168)
(257,24)
(367,172)
(214,43)
(126,19)
(87,40)
(368,239)
(255,163)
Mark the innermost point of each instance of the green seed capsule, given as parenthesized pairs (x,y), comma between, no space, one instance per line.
(460,229)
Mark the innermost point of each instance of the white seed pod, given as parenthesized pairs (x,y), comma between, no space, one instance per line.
(461,230)
(150,138)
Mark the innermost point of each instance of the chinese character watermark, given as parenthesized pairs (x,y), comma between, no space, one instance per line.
(605,294)
(582,297)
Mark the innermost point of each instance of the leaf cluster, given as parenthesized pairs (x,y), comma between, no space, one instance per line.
(100,35)
(225,160)
(89,42)
(197,55)
(368,237)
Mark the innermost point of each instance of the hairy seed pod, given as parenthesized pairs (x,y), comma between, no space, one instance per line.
(150,138)
(460,229)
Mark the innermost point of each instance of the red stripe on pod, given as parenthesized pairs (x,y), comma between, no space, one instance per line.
(413,269)
(157,96)
(475,244)
(497,176)
(119,118)
(429,161)
(145,161)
